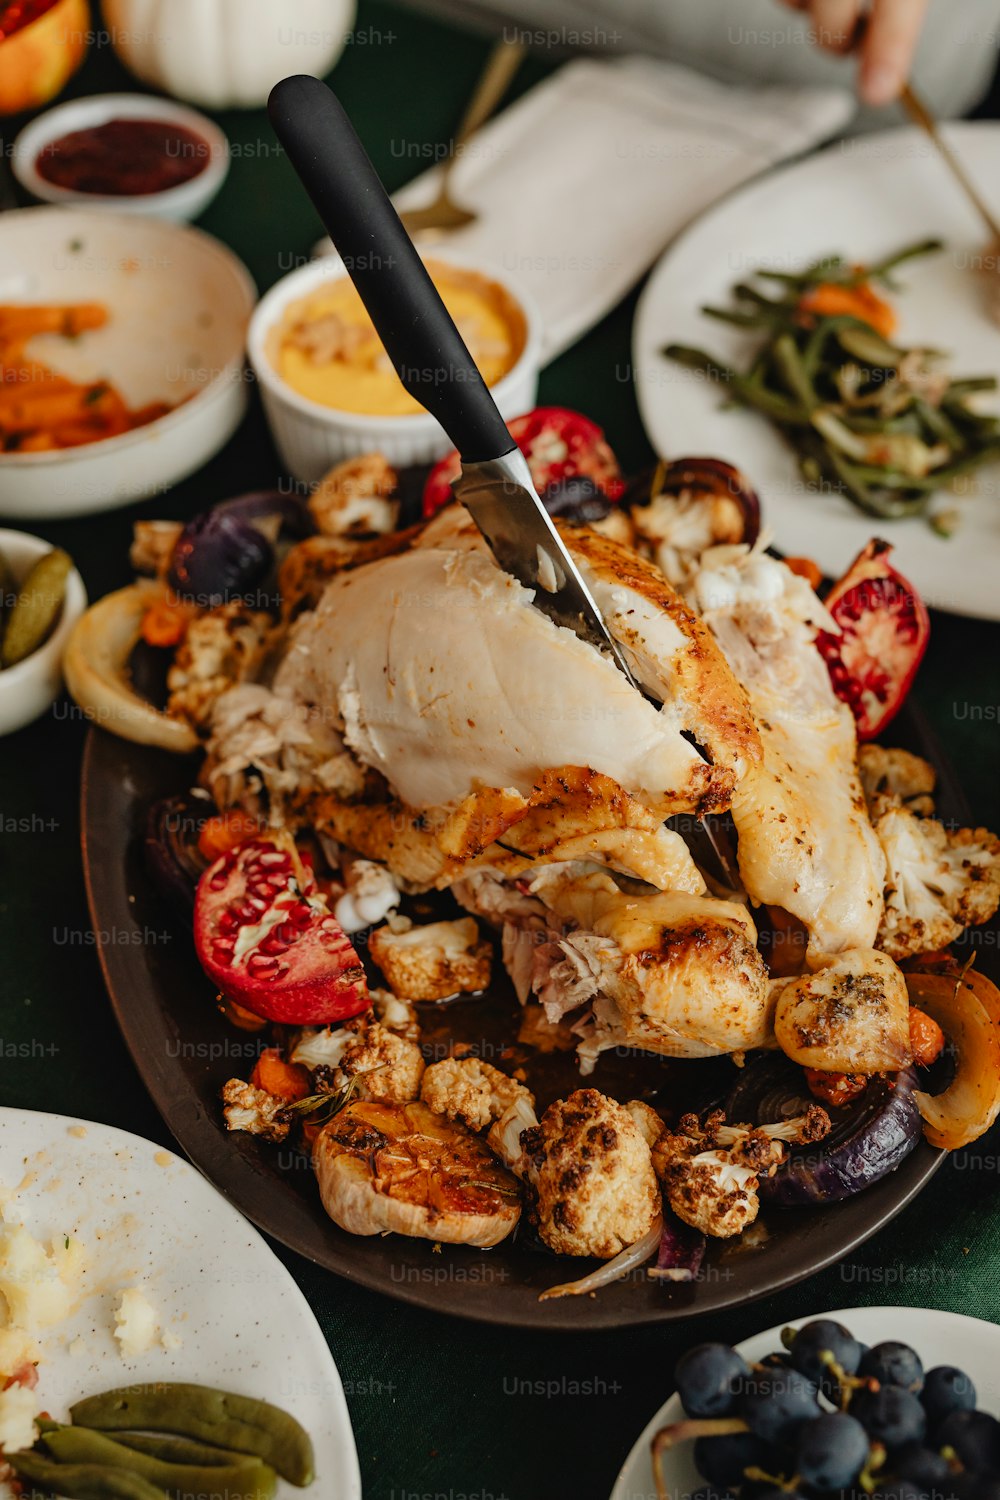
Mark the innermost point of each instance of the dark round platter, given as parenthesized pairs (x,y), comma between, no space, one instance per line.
(185,1051)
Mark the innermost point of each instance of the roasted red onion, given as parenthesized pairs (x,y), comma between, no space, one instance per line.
(706,477)
(868,1138)
(227,552)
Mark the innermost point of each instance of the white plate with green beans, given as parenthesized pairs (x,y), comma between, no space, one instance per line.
(849,433)
(161,1394)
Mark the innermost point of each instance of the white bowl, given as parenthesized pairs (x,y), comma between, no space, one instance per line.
(179,303)
(311,437)
(185,201)
(27,689)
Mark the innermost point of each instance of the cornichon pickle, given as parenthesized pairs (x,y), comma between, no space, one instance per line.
(37,607)
(82,1481)
(198,1411)
(251,1480)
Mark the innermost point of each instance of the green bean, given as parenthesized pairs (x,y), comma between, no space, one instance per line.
(970,385)
(855,481)
(240,1481)
(939,425)
(178,1450)
(792,373)
(197,1411)
(862,342)
(746,392)
(82,1481)
(937,479)
(820,270)
(758,319)
(880,271)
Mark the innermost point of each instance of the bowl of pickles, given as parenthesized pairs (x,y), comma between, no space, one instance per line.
(41,598)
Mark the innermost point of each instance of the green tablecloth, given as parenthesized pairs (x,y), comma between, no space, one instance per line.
(440,1408)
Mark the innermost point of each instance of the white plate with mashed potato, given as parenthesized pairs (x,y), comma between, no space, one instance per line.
(121,1264)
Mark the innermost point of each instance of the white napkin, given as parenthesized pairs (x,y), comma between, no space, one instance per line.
(582,182)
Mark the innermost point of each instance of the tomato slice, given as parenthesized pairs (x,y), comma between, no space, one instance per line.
(558,443)
(265,935)
(884,633)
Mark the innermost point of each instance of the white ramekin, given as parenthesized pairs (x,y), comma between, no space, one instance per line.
(311,438)
(178,204)
(28,689)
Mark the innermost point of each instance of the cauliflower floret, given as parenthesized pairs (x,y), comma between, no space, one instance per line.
(222,647)
(937,883)
(467,1089)
(395,1014)
(356,498)
(153,544)
(650,1126)
(593,1174)
(711,1173)
(679,528)
(892,778)
(385,1066)
(370,896)
(433,961)
(251,1109)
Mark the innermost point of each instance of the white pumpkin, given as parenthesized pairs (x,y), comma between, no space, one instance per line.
(226,54)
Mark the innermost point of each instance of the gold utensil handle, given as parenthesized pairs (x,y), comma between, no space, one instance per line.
(921,115)
(502,64)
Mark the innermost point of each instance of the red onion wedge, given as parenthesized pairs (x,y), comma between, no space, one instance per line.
(868,1137)
(682,1250)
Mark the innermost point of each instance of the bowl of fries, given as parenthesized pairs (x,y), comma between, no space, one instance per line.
(121,357)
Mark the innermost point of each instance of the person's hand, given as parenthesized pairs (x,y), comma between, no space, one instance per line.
(888,29)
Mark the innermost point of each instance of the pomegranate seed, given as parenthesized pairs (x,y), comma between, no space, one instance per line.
(260,966)
(273,944)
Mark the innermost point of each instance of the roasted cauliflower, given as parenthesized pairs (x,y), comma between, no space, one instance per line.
(254,1110)
(711,1172)
(356,498)
(895,778)
(593,1174)
(938,882)
(433,961)
(470,1090)
(384,1066)
(222,647)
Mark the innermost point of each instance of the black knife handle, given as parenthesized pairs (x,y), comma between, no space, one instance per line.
(413,323)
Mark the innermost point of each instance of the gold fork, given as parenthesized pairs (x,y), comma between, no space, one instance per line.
(443,213)
(922,116)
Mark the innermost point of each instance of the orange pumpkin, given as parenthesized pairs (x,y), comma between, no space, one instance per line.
(38,59)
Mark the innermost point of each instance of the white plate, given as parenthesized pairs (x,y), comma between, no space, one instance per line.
(864,198)
(179,305)
(147,1218)
(940,1338)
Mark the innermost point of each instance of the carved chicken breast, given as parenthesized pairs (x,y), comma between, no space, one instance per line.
(805,839)
(668,972)
(443,677)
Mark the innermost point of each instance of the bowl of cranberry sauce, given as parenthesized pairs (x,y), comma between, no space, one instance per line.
(130,152)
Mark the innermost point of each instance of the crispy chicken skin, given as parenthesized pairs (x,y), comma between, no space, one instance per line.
(805,840)
(593,1174)
(645,613)
(850,1016)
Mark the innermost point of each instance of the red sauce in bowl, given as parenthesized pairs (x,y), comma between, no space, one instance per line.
(16,14)
(124,158)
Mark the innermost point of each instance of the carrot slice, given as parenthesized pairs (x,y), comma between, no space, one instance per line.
(223,832)
(283,1079)
(832,300)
